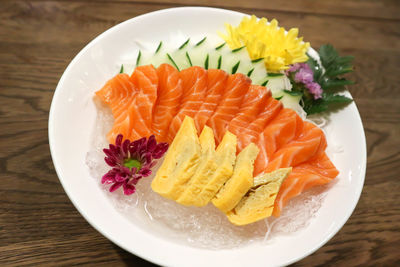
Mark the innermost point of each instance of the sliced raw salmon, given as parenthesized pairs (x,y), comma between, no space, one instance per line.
(145,79)
(310,144)
(118,93)
(253,103)
(304,176)
(194,84)
(285,127)
(216,83)
(168,100)
(251,133)
(236,87)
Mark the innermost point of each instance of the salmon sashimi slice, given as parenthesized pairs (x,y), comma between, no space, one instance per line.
(253,103)
(310,144)
(168,100)
(319,171)
(145,79)
(194,84)
(216,83)
(252,132)
(285,127)
(236,87)
(118,93)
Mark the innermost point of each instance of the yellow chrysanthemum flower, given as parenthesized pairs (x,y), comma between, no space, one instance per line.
(268,41)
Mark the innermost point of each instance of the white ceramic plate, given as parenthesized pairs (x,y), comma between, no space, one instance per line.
(73,115)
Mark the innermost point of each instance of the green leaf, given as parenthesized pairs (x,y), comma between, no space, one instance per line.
(219,62)
(293,93)
(328,54)
(202,40)
(184,44)
(121,70)
(329,101)
(315,67)
(335,83)
(336,99)
(345,59)
(334,72)
(279,97)
(275,74)
(316,108)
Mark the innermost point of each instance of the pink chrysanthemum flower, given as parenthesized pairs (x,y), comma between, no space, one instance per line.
(131,161)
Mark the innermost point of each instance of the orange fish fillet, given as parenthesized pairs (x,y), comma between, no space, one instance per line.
(310,144)
(253,103)
(118,93)
(194,83)
(145,79)
(168,100)
(285,127)
(305,176)
(236,87)
(250,135)
(216,82)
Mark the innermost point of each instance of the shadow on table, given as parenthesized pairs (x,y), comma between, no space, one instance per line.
(132,260)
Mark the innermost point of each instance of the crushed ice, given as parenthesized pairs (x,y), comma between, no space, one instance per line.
(204,227)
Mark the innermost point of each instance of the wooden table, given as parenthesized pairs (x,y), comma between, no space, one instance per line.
(38,39)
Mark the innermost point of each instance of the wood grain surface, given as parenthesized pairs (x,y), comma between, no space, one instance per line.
(39,225)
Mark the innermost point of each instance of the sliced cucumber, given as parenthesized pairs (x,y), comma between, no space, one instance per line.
(206,55)
(277,84)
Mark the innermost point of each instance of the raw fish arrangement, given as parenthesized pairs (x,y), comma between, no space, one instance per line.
(227,121)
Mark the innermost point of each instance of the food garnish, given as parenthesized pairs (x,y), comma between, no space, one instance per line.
(266,40)
(131,161)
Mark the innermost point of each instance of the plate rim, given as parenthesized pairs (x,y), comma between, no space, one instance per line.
(115,240)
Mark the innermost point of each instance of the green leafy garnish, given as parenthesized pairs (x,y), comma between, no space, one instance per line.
(328,76)
(293,93)
(121,70)
(275,74)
